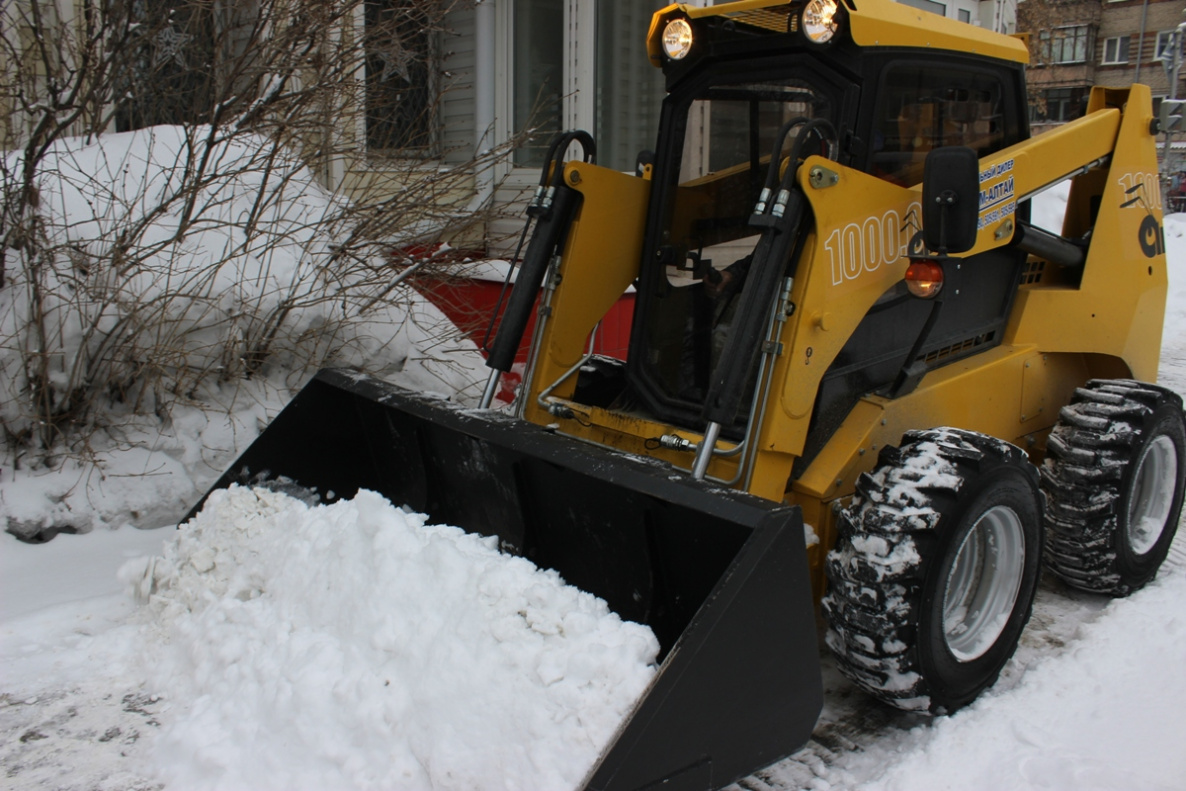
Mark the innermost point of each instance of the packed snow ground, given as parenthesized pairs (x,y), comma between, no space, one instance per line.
(263,658)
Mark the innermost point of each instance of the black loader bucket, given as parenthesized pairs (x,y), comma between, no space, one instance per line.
(720,576)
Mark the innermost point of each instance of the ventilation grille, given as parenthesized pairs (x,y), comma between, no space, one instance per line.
(766,18)
(958,348)
(1034,270)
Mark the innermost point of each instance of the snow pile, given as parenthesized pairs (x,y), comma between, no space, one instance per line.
(163,298)
(350,646)
(152,263)
(1173,339)
(173,255)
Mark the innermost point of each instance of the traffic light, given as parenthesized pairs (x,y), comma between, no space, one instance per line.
(1170,114)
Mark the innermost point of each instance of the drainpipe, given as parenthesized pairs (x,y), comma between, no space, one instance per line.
(484,87)
(1141,40)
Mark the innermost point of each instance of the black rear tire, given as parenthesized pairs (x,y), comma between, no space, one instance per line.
(933,577)
(1114,476)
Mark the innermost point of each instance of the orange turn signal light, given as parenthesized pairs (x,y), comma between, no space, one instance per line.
(924,279)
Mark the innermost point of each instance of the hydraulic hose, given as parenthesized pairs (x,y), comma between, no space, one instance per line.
(773,251)
(727,387)
(775,159)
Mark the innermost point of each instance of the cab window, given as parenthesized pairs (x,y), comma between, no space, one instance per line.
(921,107)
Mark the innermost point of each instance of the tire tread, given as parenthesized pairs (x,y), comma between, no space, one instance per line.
(887,537)
(1088,454)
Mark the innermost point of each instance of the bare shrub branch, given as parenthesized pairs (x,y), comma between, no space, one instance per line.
(164,219)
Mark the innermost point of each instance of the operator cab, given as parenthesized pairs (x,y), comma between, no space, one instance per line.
(884,110)
(713,161)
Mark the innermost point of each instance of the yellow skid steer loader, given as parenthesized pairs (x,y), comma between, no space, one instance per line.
(860,385)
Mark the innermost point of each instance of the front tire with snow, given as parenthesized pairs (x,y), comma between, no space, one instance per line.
(933,576)
(1113,476)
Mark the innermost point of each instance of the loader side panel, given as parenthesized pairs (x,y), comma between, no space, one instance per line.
(1118,306)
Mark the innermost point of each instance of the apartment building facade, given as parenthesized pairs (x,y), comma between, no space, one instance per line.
(1075,44)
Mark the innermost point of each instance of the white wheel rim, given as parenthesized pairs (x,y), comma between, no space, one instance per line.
(983,583)
(1152,494)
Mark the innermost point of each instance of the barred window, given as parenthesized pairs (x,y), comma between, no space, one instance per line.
(401,49)
(185,58)
(1059,104)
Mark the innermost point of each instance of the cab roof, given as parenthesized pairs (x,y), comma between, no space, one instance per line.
(871,23)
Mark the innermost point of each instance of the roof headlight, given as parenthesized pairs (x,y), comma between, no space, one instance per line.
(677,38)
(820,20)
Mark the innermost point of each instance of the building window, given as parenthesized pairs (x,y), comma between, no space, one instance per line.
(400,45)
(185,59)
(965,15)
(1165,40)
(538,81)
(580,64)
(1064,44)
(1057,105)
(1115,50)
(629,89)
(927,5)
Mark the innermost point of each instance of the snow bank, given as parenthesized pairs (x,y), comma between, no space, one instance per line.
(176,254)
(350,646)
(182,310)
(1173,339)
(151,264)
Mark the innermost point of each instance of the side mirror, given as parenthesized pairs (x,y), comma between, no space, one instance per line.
(950,199)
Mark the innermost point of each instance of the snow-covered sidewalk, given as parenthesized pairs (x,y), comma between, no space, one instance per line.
(98,695)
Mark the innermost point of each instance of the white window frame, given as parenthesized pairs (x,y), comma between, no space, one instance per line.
(577,108)
(578,81)
(1164,38)
(580,76)
(1117,43)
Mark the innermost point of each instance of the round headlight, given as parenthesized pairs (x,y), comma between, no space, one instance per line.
(820,21)
(677,39)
